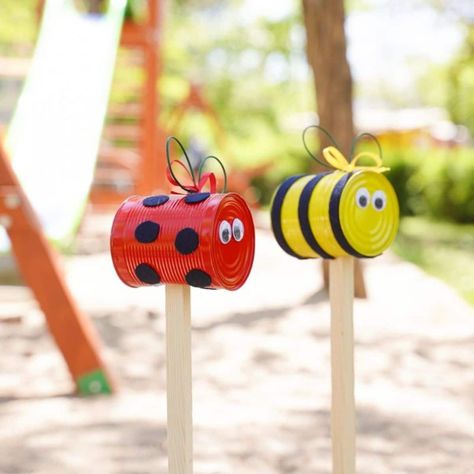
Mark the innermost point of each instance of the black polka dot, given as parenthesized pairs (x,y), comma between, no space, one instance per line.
(198,278)
(147,274)
(155,201)
(187,241)
(194,198)
(147,232)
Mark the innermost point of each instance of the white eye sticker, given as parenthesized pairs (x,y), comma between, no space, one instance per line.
(225,232)
(379,200)
(362,198)
(238,230)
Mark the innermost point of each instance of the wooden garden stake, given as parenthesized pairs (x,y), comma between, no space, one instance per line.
(341,291)
(349,211)
(188,238)
(179,379)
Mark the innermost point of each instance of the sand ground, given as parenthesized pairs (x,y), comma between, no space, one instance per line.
(261,375)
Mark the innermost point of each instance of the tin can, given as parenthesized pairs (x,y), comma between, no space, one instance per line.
(199,239)
(335,214)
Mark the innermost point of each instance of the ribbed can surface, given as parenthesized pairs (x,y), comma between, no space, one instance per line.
(184,242)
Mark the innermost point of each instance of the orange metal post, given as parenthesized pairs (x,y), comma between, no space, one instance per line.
(38,263)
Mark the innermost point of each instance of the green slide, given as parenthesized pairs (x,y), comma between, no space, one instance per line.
(55,132)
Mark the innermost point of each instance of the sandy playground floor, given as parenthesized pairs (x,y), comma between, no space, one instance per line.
(261,376)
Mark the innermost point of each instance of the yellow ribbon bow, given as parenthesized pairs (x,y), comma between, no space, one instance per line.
(336,159)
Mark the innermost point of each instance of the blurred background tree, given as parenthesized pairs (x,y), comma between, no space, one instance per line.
(327,56)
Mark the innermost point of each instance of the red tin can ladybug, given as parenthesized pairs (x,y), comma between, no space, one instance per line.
(203,239)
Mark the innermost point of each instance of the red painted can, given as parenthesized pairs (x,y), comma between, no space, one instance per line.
(200,239)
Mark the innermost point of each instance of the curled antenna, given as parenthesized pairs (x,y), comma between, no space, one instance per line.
(224,173)
(321,129)
(361,136)
(188,162)
(201,179)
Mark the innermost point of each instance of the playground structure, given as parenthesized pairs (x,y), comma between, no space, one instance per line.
(130,160)
(39,266)
(53,141)
(47,130)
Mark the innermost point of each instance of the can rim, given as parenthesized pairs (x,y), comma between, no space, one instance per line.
(216,270)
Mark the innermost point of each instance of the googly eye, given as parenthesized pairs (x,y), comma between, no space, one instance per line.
(362,198)
(238,230)
(379,200)
(225,232)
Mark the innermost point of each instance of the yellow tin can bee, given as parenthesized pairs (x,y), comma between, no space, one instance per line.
(351,210)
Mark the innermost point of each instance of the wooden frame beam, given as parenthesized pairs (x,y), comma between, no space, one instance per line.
(39,266)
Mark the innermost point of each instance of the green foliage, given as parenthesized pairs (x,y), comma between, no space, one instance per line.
(135,9)
(434,86)
(245,69)
(18,26)
(443,249)
(433,182)
(461,84)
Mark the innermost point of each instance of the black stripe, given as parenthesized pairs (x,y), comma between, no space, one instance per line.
(303,215)
(334,217)
(276,215)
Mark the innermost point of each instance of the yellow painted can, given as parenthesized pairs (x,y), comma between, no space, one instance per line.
(335,214)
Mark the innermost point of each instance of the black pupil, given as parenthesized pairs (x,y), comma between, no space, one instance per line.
(225,235)
(237,232)
(363,201)
(379,203)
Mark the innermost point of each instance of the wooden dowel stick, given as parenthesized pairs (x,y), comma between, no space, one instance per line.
(341,293)
(179,379)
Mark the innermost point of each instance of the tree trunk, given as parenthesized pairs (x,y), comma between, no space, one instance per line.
(326,51)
